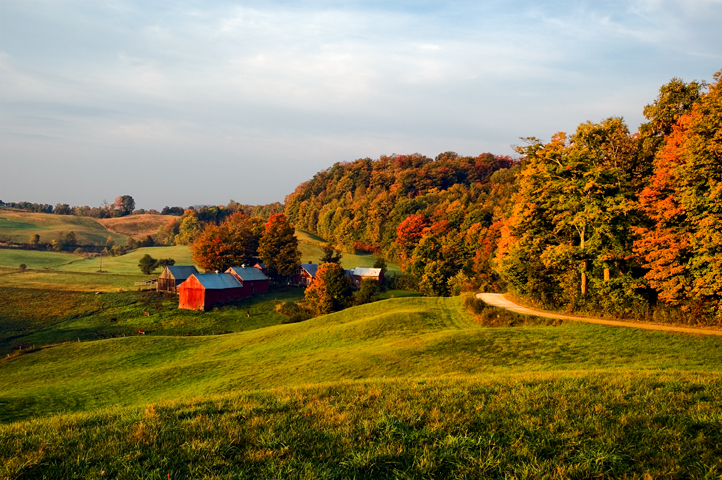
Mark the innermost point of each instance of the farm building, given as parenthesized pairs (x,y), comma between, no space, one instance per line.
(262,267)
(305,274)
(173,276)
(252,279)
(202,290)
(359,273)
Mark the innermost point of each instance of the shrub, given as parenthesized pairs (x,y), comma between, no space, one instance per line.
(490,316)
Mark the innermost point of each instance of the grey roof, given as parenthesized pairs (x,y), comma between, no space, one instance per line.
(181,272)
(218,281)
(310,268)
(248,274)
(366,272)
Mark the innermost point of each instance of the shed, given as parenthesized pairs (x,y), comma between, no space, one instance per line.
(262,267)
(359,273)
(252,279)
(203,290)
(173,276)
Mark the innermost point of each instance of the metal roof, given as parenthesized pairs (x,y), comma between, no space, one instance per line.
(366,272)
(218,281)
(310,268)
(181,272)
(248,274)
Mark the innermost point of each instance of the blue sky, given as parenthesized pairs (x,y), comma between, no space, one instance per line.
(187,102)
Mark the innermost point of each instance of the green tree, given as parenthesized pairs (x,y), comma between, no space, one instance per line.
(330,255)
(189,228)
(570,227)
(367,292)
(147,264)
(71,240)
(278,247)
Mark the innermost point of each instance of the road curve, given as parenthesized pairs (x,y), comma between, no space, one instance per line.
(498,300)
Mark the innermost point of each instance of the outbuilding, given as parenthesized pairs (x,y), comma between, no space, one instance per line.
(359,273)
(173,276)
(306,274)
(203,290)
(252,279)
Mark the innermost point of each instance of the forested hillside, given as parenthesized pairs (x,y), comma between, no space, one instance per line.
(436,217)
(604,219)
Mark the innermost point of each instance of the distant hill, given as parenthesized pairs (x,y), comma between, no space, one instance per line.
(18,226)
(137,226)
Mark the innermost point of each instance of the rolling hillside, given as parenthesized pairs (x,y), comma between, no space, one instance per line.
(137,226)
(400,338)
(19,226)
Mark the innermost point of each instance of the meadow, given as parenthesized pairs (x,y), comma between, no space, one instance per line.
(34,318)
(18,226)
(602,424)
(310,247)
(407,338)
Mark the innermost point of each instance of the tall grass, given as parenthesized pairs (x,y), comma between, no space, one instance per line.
(593,425)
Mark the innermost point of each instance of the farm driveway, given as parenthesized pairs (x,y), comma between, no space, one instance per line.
(498,300)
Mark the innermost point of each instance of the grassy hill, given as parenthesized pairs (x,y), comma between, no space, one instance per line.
(564,425)
(19,226)
(408,387)
(128,263)
(137,226)
(409,338)
(310,246)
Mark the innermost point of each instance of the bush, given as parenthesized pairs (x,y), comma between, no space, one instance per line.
(293,312)
(490,316)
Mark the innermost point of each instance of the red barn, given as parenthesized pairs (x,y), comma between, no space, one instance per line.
(252,279)
(305,274)
(202,290)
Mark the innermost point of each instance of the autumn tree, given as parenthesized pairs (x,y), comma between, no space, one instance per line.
(330,290)
(683,246)
(570,227)
(232,243)
(278,247)
(124,205)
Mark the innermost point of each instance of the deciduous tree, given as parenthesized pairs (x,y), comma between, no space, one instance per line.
(278,247)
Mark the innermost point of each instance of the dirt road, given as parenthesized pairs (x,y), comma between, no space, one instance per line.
(498,300)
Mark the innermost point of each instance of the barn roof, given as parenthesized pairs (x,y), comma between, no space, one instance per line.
(366,272)
(181,272)
(310,268)
(248,274)
(218,281)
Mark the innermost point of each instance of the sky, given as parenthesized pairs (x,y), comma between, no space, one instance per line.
(199,102)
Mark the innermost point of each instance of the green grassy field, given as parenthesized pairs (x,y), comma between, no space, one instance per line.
(128,263)
(409,338)
(525,426)
(30,317)
(311,252)
(69,281)
(19,226)
(402,388)
(14,257)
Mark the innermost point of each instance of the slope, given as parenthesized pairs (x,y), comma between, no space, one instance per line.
(399,338)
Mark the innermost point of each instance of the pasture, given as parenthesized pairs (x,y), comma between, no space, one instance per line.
(310,247)
(597,424)
(18,226)
(128,263)
(137,226)
(30,317)
(407,338)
